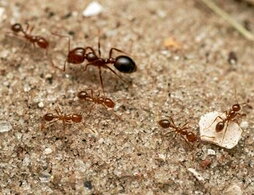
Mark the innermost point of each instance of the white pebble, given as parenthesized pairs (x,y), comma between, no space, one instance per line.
(211,152)
(41,105)
(244,125)
(233,189)
(196,174)
(228,139)
(5,126)
(92,9)
(47,151)
(2,15)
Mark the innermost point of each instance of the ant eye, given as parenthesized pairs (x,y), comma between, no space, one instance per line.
(76,118)
(16,27)
(164,123)
(125,64)
(82,95)
(48,117)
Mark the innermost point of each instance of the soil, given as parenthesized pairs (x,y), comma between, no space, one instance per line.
(181,49)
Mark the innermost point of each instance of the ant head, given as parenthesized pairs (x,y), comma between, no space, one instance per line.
(220,126)
(164,123)
(82,95)
(236,107)
(16,28)
(91,56)
(77,118)
(76,56)
(109,103)
(125,64)
(48,117)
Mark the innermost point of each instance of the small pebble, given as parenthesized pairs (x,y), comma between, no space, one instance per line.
(244,124)
(196,174)
(233,189)
(5,126)
(40,104)
(208,133)
(47,151)
(211,152)
(93,9)
(2,15)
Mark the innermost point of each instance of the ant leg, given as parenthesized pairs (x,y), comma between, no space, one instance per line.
(113,113)
(90,110)
(102,86)
(112,49)
(99,46)
(225,131)
(53,64)
(87,66)
(214,121)
(115,73)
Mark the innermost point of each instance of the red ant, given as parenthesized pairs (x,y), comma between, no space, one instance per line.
(78,55)
(230,116)
(97,99)
(49,117)
(187,135)
(40,41)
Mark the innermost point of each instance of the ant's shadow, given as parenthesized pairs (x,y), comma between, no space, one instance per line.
(91,77)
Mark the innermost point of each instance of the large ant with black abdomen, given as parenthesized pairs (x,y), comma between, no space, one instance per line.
(187,135)
(78,55)
(65,118)
(39,40)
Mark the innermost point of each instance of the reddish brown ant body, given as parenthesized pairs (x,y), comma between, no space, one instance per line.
(50,117)
(78,55)
(97,99)
(39,40)
(187,135)
(230,116)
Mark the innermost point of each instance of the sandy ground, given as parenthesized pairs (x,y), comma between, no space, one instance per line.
(105,155)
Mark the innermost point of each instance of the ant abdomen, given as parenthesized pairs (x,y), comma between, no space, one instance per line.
(83,95)
(77,118)
(109,103)
(42,43)
(191,137)
(220,126)
(164,123)
(125,64)
(48,117)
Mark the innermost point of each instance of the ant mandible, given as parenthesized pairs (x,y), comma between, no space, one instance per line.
(39,40)
(50,117)
(187,135)
(78,55)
